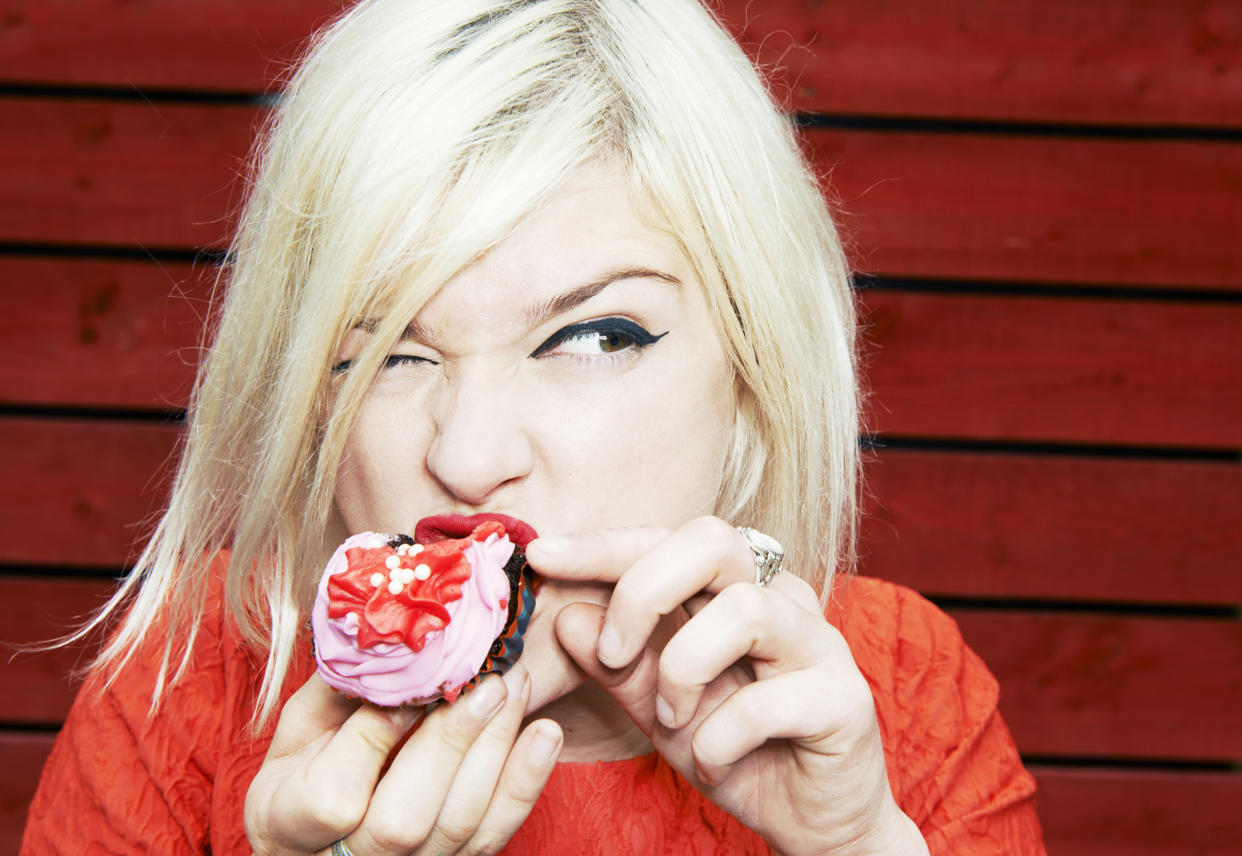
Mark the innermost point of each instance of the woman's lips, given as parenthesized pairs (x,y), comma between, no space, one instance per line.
(438,527)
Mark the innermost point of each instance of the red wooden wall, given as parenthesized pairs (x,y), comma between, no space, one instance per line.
(1043,199)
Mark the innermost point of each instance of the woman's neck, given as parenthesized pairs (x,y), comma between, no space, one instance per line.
(595,728)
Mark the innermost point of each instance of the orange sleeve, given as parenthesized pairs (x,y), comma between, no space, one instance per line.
(952,765)
(120,780)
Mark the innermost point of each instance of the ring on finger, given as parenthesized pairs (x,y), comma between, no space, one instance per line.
(340,848)
(767,552)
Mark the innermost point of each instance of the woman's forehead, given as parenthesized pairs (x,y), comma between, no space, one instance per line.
(585,236)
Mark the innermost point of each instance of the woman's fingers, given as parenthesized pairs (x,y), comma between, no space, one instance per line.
(804,706)
(654,574)
(599,556)
(421,774)
(474,786)
(311,712)
(633,686)
(338,749)
(777,634)
(530,762)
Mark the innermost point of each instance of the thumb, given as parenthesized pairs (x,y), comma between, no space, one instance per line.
(633,687)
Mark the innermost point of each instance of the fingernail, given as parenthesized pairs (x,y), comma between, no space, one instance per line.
(552,546)
(515,679)
(486,698)
(664,713)
(608,648)
(404,717)
(545,745)
(703,777)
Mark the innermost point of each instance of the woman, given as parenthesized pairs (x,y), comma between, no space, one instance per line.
(559,260)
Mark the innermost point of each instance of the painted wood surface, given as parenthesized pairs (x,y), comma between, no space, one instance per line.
(1055,527)
(102,333)
(80,493)
(995,367)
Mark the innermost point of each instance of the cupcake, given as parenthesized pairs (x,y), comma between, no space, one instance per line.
(411,620)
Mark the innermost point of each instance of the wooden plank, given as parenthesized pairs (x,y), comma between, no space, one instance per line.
(1158,62)
(77,492)
(1121,812)
(1089,371)
(1050,527)
(100,332)
(1060,210)
(24,753)
(1114,686)
(212,45)
(39,686)
(132,175)
(928,205)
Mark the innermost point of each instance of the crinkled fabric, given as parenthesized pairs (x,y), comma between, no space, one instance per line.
(119,781)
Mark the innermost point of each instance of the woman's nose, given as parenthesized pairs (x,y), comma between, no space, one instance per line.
(480,444)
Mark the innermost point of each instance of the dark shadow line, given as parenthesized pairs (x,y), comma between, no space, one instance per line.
(11,410)
(63,571)
(135,93)
(1027,288)
(962,603)
(808,120)
(49,249)
(879,442)
(1103,763)
(34,728)
(1017,127)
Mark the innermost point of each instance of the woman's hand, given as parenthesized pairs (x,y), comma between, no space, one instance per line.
(463,782)
(755,698)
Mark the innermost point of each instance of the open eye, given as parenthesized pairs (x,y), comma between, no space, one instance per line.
(600,337)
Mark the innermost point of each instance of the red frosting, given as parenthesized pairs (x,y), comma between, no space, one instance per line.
(419,607)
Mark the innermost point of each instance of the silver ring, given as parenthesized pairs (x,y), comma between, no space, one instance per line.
(768,554)
(340,848)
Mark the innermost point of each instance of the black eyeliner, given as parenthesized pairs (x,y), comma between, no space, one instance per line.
(389,362)
(637,333)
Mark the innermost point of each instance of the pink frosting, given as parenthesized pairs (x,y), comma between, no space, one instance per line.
(392,674)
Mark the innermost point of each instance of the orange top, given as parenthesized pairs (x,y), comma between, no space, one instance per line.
(175,783)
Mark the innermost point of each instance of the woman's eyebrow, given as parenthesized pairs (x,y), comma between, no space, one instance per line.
(541,312)
(415,332)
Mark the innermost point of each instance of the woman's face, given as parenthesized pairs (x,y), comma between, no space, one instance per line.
(571,378)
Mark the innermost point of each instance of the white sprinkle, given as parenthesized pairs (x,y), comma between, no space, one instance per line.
(377,579)
(402,549)
(415,549)
(395,587)
(422,572)
(405,575)
(394,574)
(393,562)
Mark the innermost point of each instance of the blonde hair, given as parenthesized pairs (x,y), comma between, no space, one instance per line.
(414,137)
